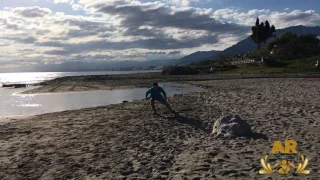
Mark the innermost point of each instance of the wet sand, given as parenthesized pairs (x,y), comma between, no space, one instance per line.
(4,120)
(128,141)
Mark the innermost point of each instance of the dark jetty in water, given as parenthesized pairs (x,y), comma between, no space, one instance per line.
(15,85)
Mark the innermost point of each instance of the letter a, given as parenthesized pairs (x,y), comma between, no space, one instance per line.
(277,147)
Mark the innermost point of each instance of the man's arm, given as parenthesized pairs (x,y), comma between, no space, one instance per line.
(164,93)
(148,92)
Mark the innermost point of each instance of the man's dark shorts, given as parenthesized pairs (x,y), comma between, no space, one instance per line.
(160,99)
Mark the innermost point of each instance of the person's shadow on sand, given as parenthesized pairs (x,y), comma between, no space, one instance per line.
(254,135)
(197,124)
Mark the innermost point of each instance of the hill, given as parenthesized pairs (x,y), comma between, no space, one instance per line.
(287,53)
(247,45)
(241,47)
(197,56)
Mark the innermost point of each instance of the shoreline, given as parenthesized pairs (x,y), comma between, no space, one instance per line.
(127,141)
(8,119)
(142,80)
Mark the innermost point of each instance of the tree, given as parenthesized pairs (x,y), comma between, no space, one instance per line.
(291,46)
(261,32)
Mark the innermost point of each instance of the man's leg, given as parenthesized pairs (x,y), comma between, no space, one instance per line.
(164,102)
(152,105)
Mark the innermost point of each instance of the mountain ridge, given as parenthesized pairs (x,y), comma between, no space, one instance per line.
(247,44)
(199,55)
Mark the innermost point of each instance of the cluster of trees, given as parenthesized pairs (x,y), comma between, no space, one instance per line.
(291,46)
(180,70)
(287,46)
(261,32)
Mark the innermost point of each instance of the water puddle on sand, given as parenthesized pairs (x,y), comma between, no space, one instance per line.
(14,104)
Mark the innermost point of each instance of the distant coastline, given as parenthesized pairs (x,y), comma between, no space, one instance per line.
(37,77)
(125,81)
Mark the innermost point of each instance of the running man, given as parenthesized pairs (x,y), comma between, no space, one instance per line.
(158,94)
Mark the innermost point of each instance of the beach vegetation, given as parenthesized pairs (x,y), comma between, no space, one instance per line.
(289,46)
(180,70)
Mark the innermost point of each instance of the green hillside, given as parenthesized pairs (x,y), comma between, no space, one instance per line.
(288,53)
(304,65)
(289,46)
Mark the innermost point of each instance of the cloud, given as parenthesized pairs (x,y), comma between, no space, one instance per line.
(182,3)
(175,52)
(25,51)
(146,32)
(129,30)
(142,26)
(295,17)
(279,19)
(135,15)
(14,25)
(31,12)
(79,33)
(163,53)
(21,39)
(78,27)
(77,7)
(27,40)
(156,52)
(154,43)
(64,1)
(57,52)
(95,57)
(82,24)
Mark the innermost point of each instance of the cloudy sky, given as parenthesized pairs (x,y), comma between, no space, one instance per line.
(34,32)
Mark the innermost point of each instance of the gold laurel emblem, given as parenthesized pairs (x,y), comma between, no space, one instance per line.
(285,166)
(301,166)
(267,168)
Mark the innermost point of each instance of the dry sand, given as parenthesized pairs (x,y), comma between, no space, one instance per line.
(128,141)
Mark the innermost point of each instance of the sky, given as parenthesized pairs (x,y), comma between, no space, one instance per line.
(44,32)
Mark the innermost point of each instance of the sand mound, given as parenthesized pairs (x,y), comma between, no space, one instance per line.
(231,126)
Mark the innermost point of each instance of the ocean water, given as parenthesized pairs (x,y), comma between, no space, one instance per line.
(36,77)
(14,104)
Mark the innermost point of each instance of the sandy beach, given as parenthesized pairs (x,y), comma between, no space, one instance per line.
(126,141)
